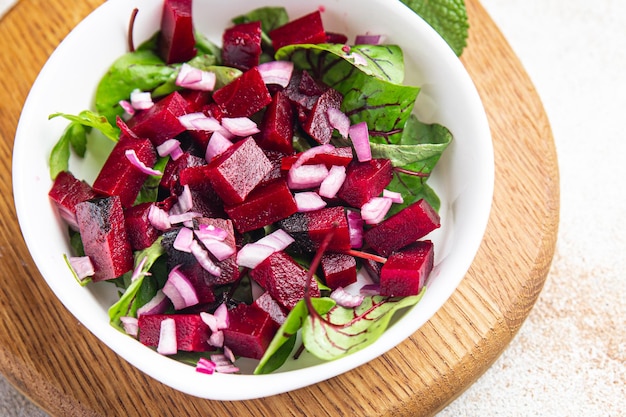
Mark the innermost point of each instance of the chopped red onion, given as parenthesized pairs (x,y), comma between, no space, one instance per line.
(311,152)
(375,210)
(184,202)
(226,369)
(219,320)
(355,228)
(276,72)
(132,157)
(278,239)
(179,290)
(210,231)
(333,182)
(359,135)
(199,121)
(82,266)
(217,339)
(240,126)
(130,325)
(229,354)
(394,196)
(306,176)
(370,289)
(167,337)
(128,108)
(339,120)
(369,39)
(141,100)
(345,299)
(183,240)
(217,144)
(205,366)
(170,147)
(138,271)
(218,248)
(357,59)
(157,305)
(308,201)
(252,254)
(159,218)
(195,78)
(204,260)
(183,217)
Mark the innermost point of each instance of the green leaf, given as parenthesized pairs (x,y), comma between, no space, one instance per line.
(447,17)
(93,120)
(150,188)
(343,331)
(59,159)
(126,305)
(281,346)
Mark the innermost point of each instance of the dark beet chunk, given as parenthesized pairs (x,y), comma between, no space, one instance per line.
(250,331)
(338,269)
(244,96)
(317,124)
(192,334)
(176,39)
(160,122)
(118,176)
(406,270)
(203,196)
(309,229)
(242,45)
(171,173)
(103,232)
(141,233)
(406,226)
(238,170)
(277,126)
(333,37)
(306,29)
(284,279)
(365,180)
(66,192)
(264,206)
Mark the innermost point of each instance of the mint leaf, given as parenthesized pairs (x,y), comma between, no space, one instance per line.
(447,17)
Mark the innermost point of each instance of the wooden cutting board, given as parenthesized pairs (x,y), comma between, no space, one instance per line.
(57,363)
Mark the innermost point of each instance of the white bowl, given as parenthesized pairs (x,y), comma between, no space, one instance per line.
(463,178)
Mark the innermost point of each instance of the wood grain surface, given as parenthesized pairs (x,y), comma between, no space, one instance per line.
(64,369)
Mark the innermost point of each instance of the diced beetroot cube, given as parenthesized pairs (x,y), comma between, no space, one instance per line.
(277,126)
(265,205)
(103,232)
(139,229)
(303,91)
(309,229)
(406,226)
(241,45)
(118,176)
(230,269)
(171,173)
(203,196)
(339,156)
(333,37)
(284,279)
(192,334)
(268,304)
(176,38)
(365,180)
(276,159)
(338,269)
(200,280)
(239,169)
(317,124)
(406,270)
(250,331)
(160,122)
(306,29)
(244,96)
(196,100)
(66,192)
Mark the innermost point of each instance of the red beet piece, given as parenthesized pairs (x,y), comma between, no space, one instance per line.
(118,176)
(268,304)
(303,91)
(242,45)
(171,173)
(306,29)
(276,159)
(160,122)
(229,267)
(244,96)
(338,269)
(265,205)
(250,331)
(284,279)
(333,37)
(239,169)
(338,156)
(140,231)
(103,232)
(176,39)
(406,226)
(66,192)
(406,270)
(317,124)
(365,180)
(203,196)
(192,334)
(309,229)
(277,126)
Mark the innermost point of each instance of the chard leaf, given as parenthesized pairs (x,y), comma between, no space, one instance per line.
(413,189)
(343,331)
(127,305)
(372,92)
(281,346)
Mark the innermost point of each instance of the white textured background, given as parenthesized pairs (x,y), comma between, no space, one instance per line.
(569,357)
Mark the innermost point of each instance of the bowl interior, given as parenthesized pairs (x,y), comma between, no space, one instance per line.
(463,178)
